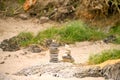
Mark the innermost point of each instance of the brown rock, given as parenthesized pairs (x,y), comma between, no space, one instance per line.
(34,48)
(2,62)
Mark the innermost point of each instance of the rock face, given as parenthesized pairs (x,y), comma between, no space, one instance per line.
(112,71)
(68,70)
(54,69)
(63,70)
(88,72)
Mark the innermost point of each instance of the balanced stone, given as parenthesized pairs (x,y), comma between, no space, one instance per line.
(67,58)
(54,58)
(67,55)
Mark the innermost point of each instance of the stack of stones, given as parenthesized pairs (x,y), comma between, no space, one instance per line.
(54,52)
(67,55)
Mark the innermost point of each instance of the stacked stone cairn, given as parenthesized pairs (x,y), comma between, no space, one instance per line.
(54,52)
(67,55)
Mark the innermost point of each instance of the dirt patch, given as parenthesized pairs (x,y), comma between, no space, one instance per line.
(11,27)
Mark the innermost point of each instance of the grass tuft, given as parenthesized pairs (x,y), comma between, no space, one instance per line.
(75,31)
(24,38)
(21,1)
(72,32)
(50,33)
(78,31)
(116,31)
(104,56)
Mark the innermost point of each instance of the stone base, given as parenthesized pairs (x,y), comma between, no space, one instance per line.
(68,60)
(54,58)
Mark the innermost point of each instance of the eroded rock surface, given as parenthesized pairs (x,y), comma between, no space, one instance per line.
(112,71)
(68,70)
(88,72)
(4,77)
(64,70)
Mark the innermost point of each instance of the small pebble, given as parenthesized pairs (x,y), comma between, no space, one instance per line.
(2,62)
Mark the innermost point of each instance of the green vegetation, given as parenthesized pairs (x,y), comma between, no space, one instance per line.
(50,33)
(2,6)
(21,1)
(111,54)
(70,33)
(104,56)
(116,31)
(75,31)
(78,31)
(24,38)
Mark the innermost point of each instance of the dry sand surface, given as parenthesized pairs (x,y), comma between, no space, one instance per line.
(12,62)
(10,27)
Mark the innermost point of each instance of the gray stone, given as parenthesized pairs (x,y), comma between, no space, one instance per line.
(34,48)
(44,20)
(54,58)
(10,44)
(68,70)
(88,72)
(109,39)
(23,16)
(53,52)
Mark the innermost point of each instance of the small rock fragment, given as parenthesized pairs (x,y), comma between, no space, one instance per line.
(2,62)
(24,16)
(109,39)
(44,20)
(34,48)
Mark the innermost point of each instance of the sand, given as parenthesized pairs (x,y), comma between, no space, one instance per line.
(12,62)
